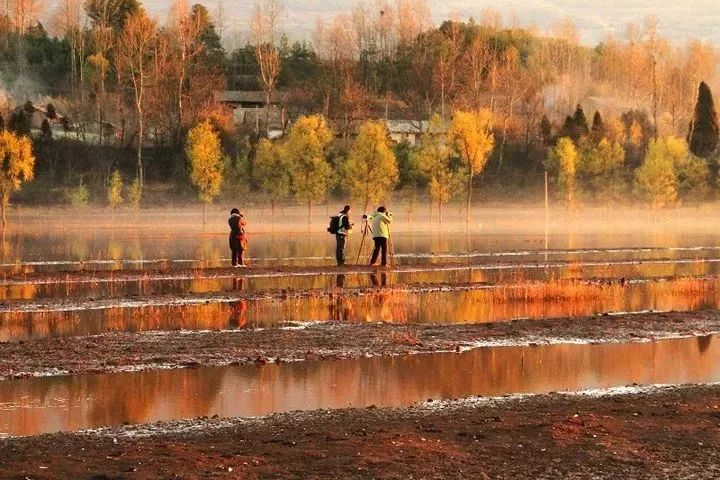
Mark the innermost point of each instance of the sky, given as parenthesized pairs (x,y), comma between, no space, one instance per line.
(594,19)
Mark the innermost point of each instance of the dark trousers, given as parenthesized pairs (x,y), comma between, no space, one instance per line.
(340,249)
(381,243)
(236,250)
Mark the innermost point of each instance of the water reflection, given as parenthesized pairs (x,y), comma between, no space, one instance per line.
(144,284)
(445,305)
(68,403)
(146,247)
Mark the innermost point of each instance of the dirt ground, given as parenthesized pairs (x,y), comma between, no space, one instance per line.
(666,433)
(114,352)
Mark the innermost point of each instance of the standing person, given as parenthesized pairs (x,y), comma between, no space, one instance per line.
(380,227)
(238,239)
(340,225)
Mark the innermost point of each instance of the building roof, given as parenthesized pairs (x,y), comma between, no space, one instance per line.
(409,127)
(248,96)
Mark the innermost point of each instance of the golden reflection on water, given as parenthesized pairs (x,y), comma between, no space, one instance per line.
(68,403)
(149,284)
(502,302)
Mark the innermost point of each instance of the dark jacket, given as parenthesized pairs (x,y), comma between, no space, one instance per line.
(237,229)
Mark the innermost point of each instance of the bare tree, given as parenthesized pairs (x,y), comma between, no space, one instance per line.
(136,43)
(188,29)
(264,24)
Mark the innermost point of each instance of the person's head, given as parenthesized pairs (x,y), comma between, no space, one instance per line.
(382,209)
(234,211)
(346,209)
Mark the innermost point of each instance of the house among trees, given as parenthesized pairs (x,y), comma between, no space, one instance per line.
(409,131)
(249,110)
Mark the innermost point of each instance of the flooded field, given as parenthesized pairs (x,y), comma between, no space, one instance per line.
(33,406)
(153,274)
(433,303)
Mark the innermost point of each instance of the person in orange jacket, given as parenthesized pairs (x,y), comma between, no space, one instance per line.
(238,238)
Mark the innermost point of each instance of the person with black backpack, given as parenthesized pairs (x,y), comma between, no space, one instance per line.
(341,227)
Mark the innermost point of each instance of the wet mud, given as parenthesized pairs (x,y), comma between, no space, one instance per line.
(660,433)
(114,352)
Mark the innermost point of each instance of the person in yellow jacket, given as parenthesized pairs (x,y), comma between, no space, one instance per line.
(379,223)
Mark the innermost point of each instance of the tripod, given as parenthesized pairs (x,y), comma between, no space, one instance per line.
(366,227)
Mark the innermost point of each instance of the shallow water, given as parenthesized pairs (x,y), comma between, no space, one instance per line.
(445,303)
(98,285)
(41,405)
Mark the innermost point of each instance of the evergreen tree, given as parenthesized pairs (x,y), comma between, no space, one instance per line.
(703,134)
(598,126)
(545,130)
(46,133)
(213,49)
(20,122)
(580,121)
(575,126)
(50,112)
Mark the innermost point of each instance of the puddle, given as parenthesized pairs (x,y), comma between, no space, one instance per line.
(42,405)
(446,303)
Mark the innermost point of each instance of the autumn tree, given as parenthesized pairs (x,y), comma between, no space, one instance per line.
(306,144)
(16,168)
(471,135)
(114,190)
(434,162)
(703,134)
(656,180)
(205,157)
(562,160)
(371,170)
(136,43)
(601,169)
(271,171)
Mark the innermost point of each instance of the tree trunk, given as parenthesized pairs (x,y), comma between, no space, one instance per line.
(204,222)
(3,205)
(440,213)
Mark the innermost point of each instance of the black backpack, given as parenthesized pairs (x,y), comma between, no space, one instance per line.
(334,226)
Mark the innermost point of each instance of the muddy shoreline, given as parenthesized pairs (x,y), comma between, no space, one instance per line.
(115,352)
(669,432)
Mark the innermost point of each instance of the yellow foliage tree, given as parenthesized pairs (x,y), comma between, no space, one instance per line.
(310,172)
(114,190)
(204,153)
(18,166)
(471,134)
(371,170)
(655,180)
(563,158)
(271,171)
(434,163)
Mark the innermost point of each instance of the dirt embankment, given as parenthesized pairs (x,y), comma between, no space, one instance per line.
(659,434)
(114,352)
